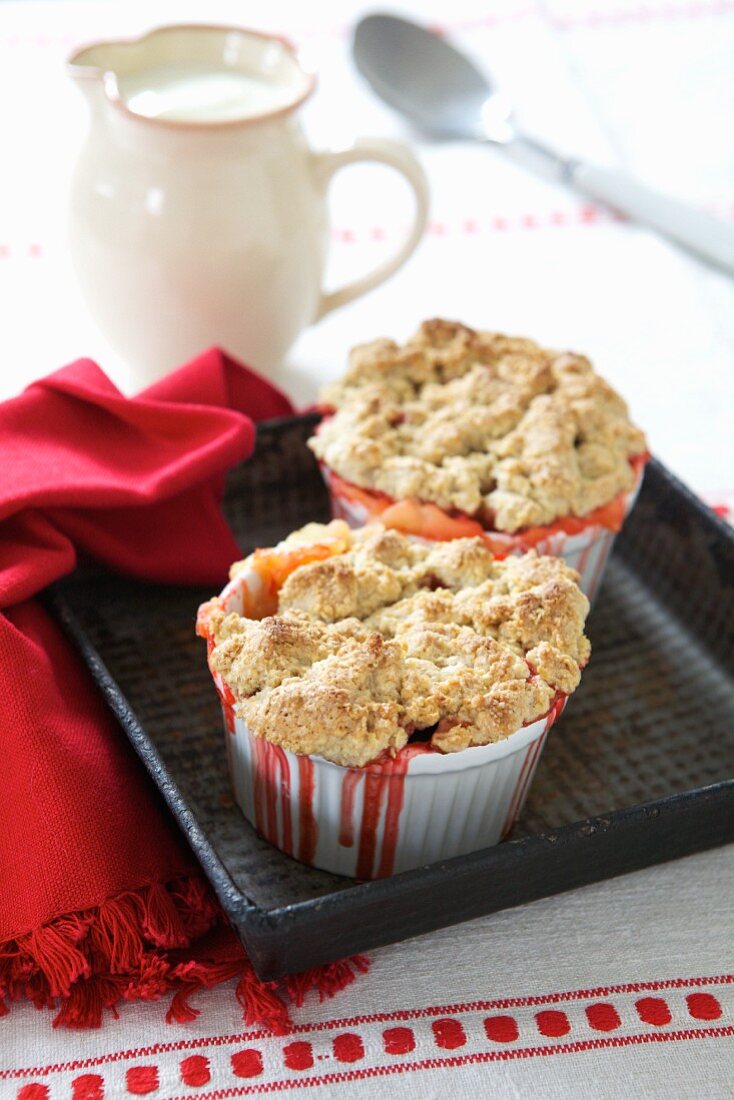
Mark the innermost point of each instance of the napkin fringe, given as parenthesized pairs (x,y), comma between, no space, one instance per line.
(329,979)
(134,947)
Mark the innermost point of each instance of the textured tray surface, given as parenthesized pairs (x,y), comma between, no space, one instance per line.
(653,715)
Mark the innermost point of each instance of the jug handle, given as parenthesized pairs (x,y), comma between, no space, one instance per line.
(402,160)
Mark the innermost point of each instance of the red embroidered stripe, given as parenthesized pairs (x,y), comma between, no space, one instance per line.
(595,1014)
(463,1060)
(588,21)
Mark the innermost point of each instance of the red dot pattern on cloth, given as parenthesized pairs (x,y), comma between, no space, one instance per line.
(653,1010)
(90,1086)
(501,1029)
(703,1006)
(247,1063)
(298,1055)
(348,1048)
(448,1034)
(603,1017)
(195,1070)
(141,1079)
(398,1040)
(552,1023)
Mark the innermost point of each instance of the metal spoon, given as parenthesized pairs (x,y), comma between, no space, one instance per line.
(441,91)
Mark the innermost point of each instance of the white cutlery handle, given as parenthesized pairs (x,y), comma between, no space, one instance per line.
(709,237)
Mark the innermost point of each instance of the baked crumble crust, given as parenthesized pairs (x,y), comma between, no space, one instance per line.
(393,635)
(494,426)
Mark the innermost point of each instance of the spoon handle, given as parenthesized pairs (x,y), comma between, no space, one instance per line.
(708,237)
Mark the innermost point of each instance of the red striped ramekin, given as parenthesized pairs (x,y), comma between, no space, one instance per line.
(586,551)
(389,816)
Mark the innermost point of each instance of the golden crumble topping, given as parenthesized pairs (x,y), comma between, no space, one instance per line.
(494,426)
(389,635)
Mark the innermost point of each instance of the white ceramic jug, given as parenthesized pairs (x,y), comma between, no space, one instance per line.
(198,211)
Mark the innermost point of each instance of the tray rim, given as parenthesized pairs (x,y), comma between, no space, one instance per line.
(261,926)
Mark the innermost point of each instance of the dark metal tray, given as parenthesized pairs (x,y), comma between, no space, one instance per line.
(638,770)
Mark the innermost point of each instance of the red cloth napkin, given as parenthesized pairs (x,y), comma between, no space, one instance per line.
(100,899)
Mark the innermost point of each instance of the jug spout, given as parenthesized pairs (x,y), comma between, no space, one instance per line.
(92,69)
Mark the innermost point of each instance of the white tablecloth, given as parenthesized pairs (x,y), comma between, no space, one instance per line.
(618,990)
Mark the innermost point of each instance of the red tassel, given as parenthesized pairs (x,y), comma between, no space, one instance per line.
(196,976)
(20,977)
(132,948)
(329,979)
(298,985)
(117,935)
(179,1010)
(53,949)
(198,909)
(261,1004)
(15,971)
(152,978)
(82,1008)
(161,919)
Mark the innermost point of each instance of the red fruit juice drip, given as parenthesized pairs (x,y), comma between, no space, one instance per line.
(556,710)
(307,827)
(259,783)
(227,699)
(271,792)
(374,791)
(285,797)
(272,783)
(384,781)
(351,781)
(395,780)
(532,753)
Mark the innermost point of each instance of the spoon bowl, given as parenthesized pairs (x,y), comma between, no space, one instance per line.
(439,89)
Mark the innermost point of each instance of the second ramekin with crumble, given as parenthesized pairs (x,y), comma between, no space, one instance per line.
(387,699)
(466,433)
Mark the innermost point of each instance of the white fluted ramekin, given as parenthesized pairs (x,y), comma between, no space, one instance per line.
(587,552)
(377,820)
